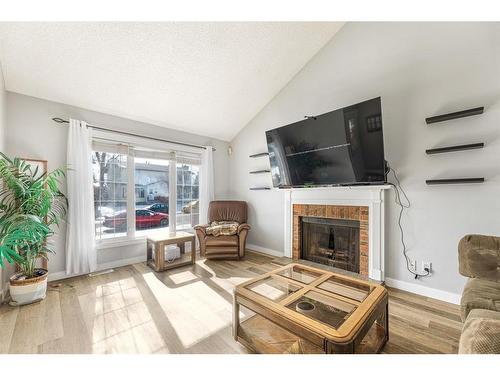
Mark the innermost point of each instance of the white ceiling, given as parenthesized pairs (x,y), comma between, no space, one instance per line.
(204,78)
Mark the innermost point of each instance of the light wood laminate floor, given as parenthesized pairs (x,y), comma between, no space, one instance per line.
(185,310)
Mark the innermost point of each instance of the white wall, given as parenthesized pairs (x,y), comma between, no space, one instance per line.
(30,132)
(3,119)
(419,70)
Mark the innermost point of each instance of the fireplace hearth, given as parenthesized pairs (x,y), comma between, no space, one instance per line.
(333,242)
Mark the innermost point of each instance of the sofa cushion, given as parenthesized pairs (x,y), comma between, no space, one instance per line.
(481,333)
(221,241)
(479,256)
(480,294)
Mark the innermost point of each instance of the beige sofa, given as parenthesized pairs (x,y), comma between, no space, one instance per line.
(479,259)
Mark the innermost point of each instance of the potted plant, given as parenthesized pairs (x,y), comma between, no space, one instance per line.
(31,206)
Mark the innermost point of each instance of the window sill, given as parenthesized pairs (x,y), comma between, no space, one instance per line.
(139,238)
(119,242)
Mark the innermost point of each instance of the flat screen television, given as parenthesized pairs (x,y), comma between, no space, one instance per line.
(341,147)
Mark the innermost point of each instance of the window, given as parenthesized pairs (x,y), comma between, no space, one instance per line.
(151,209)
(136,188)
(110,194)
(188,190)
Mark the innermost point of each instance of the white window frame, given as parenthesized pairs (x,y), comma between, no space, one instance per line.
(161,148)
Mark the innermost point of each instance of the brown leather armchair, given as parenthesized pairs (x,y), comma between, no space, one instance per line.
(224,247)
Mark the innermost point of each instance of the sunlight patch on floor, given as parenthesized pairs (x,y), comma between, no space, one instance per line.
(207,309)
(182,277)
(119,321)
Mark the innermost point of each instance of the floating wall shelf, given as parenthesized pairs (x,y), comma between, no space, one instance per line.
(260,188)
(261,171)
(469,146)
(455,115)
(259,155)
(445,181)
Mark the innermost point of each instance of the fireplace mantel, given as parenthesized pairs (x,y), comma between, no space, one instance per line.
(371,196)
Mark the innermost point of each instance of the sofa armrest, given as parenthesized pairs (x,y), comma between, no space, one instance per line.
(479,256)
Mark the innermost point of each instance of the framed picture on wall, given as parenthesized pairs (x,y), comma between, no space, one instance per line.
(42,165)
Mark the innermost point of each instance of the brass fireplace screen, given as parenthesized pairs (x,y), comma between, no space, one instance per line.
(331,242)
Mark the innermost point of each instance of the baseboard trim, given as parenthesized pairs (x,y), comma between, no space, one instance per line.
(54,276)
(424,290)
(265,250)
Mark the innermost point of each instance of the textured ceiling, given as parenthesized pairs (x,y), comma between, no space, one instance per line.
(204,78)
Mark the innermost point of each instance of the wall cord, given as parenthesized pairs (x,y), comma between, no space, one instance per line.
(406,204)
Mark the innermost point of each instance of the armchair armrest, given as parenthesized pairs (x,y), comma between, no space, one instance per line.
(243,226)
(479,256)
(201,227)
(201,233)
(242,238)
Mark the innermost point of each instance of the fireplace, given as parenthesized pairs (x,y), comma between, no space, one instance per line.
(333,235)
(333,242)
(364,204)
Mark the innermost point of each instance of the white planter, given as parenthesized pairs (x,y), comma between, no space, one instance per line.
(27,291)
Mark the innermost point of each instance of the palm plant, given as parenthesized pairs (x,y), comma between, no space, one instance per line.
(31,206)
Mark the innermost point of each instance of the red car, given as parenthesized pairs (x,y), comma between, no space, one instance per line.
(143,219)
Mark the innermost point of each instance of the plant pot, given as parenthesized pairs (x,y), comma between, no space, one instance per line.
(24,291)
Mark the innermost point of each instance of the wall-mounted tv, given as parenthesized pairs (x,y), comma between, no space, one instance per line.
(341,147)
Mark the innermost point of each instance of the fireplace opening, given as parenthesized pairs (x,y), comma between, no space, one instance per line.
(331,242)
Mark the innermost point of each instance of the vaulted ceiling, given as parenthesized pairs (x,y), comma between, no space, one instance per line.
(204,78)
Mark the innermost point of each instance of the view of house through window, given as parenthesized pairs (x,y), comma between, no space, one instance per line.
(110,194)
(188,190)
(151,198)
(151,193)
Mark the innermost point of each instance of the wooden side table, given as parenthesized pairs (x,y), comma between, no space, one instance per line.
(156,243)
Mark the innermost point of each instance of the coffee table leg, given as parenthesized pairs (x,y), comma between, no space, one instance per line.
(386,321)
(160,257)
(236,317)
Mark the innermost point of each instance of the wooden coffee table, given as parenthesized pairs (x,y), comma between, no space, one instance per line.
(156,243)
(301,309)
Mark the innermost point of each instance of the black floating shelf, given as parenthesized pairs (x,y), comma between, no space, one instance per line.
(262,171)
(455,115)
(445,181)
(259,155)
(470,146)
(260,188)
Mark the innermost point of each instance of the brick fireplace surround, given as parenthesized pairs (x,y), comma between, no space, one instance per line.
(358,213)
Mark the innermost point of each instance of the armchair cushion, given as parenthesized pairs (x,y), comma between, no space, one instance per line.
(227,211)
(221,241)
(222,228)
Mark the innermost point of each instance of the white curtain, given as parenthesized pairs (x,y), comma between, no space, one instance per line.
(206,182)
(80,244)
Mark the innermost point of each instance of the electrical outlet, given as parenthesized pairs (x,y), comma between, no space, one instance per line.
(413,265)
(427,266)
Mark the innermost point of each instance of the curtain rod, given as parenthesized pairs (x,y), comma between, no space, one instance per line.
(62,121)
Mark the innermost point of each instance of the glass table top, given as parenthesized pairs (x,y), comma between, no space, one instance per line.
(323,308)
(300,274)
(273,288)
(345,288)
